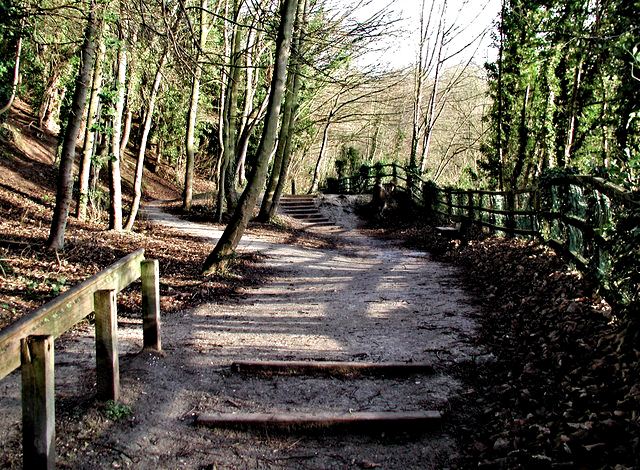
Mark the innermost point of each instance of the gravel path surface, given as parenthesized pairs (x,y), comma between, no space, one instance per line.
(369,301)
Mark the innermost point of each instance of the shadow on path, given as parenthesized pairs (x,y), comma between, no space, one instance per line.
(368,301)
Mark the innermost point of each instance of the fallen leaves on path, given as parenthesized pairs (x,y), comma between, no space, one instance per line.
(561,388)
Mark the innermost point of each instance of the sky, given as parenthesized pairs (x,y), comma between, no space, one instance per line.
(468,14)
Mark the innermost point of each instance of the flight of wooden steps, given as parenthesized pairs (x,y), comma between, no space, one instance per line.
(302,207)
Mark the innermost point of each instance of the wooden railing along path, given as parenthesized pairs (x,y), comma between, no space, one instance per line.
(574,214)
(28,343)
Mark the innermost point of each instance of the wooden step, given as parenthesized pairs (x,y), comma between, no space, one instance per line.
(305,215)
(309,216)
(297,200)
(300,210)
(327,224)
(310,207)
(332,368)
(364,421)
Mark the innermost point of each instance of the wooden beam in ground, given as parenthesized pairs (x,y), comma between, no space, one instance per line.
(38,403)
(405,421)
(150,274)
(107,365)
(332,368)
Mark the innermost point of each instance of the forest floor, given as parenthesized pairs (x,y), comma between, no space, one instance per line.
(532,371)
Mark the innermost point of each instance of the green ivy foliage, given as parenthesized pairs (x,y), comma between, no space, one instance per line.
(623,282)
(565,91)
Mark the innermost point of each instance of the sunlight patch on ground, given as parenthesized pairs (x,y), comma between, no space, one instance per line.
(275,342)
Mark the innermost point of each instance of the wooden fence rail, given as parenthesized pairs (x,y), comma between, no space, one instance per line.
(28,343)
(406,179)
(514,213)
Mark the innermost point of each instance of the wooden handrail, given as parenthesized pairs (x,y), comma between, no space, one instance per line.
(612,190)
(29,343)
(61,313)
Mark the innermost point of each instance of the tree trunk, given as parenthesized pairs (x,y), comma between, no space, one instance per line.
(374,140)
(255,47)
(102,154)
(126,132)
(283,153)
(267,200)
(242,145)
(286,157)
(573,114)
(65,179)
(418,87)
(222,178)
(16,76)
(187,194)
(49,111)
(192,118)
(430,123)
(228,243)
(223,127)
(115,180)
(500,98)
(90,134)
(523,140)
(231,123)
(430,119)
(250,91)
(137,184)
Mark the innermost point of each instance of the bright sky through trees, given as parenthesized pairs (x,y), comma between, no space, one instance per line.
(399,49)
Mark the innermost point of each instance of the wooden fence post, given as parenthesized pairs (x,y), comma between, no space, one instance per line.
(38,402)
(511,207)
(107,365)
(535,217)
(470,207)
(151,304)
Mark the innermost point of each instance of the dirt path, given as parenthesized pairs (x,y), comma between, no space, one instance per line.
(371,301)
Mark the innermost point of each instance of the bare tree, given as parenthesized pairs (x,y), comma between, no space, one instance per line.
(349,103)
(437,46)
(226,181)
(460,129)
(115,178)
(256,47)
(146,129)
(205,29)
(137,182)
(280,168)
(16,74)
(128,114)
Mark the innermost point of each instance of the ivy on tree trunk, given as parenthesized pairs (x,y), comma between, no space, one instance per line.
(65,175)
(225,249)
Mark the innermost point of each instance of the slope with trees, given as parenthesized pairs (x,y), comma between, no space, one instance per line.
(197,69)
